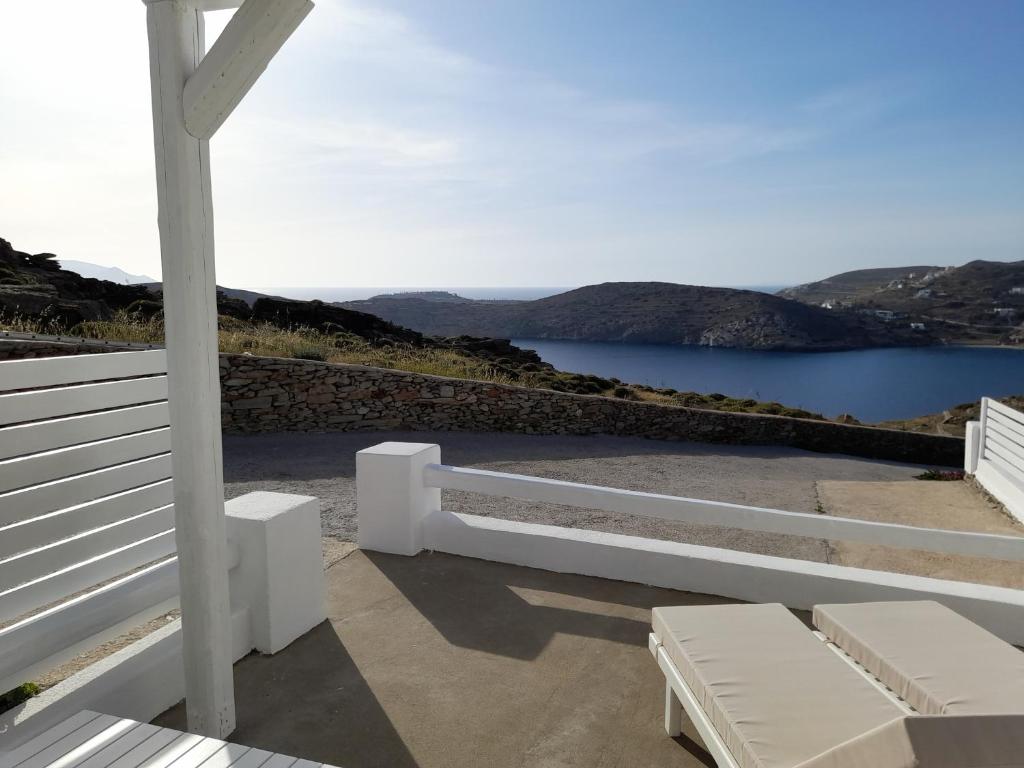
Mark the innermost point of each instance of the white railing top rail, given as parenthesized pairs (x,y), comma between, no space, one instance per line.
(982,545)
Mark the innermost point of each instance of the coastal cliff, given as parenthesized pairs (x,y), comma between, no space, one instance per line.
(649,313)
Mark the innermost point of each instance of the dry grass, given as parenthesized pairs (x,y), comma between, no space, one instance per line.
(267,340)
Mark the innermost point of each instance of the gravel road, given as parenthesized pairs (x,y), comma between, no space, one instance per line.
(323,465)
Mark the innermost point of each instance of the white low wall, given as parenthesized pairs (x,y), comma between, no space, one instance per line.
(277,595)
(399,508)
(800,584)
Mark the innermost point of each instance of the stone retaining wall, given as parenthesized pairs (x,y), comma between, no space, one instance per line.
(21,349)
(271,394)
(263,394)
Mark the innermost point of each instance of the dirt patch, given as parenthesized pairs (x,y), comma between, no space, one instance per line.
(950,505)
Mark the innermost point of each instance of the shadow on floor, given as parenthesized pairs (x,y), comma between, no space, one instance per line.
(310,702)
(514,611)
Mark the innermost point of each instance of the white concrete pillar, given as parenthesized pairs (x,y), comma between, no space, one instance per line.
(185,219)
(391,497)
(972,446)
(280,573)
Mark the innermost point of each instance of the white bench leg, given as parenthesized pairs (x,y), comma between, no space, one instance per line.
(673,712)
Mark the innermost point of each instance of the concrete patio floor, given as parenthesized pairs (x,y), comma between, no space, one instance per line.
(435,661)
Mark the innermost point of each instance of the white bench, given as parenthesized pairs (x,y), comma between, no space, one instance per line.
(92,740)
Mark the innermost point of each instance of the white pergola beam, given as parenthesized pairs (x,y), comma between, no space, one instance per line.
(250,40)
(215,5)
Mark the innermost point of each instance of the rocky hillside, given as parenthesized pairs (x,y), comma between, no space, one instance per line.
(952,421)
(655,313)
(34,287)
(979,302)
(855,285)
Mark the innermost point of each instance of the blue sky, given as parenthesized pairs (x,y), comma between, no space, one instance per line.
(529,142)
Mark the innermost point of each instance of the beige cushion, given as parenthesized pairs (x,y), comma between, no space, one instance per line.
(933,657)
(775,692)
(933,741)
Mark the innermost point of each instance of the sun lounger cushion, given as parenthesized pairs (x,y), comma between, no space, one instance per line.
(940,662)
(776,693)
(933,741)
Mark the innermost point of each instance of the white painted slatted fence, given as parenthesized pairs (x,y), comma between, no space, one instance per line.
(87,543)
(995,454)
(85,503)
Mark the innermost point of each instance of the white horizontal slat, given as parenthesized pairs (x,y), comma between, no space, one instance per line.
(39,436)
(143,754)
(79,740)
(722,514)
(30,534)
(226,756)
(36,563)
(254,758)
(1007,426)
(19,600)
(1005,411)
(99,750)
(42,499)
(64,401)
(167,755)
(1005,432)
(48,738)
(128,741)
(65,462)
(50,632)
(73,369)
(1007,447)
(1007,466)
(279,761)
(192,755)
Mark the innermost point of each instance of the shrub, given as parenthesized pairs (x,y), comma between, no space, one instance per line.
(309,353)
(18,695)
(941,474)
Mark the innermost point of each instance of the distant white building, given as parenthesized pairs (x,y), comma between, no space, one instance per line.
(1004,311)
(917,327)
(1017,290)
(884,314)
(924,293)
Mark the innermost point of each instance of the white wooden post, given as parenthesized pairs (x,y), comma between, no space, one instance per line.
(972,446)
(193,93)
(391,497)
(673,712)
(190,311)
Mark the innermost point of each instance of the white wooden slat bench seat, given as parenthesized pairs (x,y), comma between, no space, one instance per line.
(92,740)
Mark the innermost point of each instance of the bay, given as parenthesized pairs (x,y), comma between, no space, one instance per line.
(872,384)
